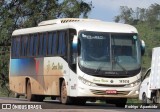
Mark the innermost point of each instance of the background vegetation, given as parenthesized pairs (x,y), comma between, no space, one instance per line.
(147,22)
(15,14)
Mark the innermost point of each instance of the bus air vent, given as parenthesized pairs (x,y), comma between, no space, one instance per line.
(63,20)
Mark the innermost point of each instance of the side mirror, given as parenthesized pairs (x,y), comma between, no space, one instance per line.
(142,47)
(79,47)
(74,49)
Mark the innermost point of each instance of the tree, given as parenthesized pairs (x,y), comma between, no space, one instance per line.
(28,13)
(125,15)
(153,15)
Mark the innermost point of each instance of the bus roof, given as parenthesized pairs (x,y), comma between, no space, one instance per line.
(78,24)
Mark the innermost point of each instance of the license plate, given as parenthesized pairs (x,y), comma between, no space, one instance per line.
(111,92)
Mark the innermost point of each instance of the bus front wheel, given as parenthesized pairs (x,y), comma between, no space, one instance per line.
(30,96)
(64,98)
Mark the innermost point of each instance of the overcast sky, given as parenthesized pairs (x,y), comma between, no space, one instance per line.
(107,9)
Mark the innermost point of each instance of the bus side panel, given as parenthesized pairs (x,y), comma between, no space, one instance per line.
(17,84)
(54,69)
(44,75)
(20,69)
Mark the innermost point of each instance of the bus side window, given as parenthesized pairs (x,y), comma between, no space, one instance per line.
(31,45)
(24,45)
(50,43)
(44,44)
(62,44)
(13,47)
(18,46)
(54,51)
(35,44)
(40,46)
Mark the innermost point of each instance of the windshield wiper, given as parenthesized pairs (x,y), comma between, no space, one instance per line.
(99,67)
(117,62)
(113,57)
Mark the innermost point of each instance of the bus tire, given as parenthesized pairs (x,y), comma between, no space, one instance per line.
(30,96)
(16,95)
(65,99)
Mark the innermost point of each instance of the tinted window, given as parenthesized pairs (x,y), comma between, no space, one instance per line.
(31,45)
(24,45)
(35,45)
(40,45)
(13,47)
(55,43)
(18,46)
(44,44)
(50,43)
(62,44)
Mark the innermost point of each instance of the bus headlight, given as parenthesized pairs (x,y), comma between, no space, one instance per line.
(134,83)
(86,82)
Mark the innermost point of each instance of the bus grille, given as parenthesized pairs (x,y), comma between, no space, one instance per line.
(106,85)
(102,92)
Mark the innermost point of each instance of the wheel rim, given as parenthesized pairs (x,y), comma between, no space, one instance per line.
(63,93)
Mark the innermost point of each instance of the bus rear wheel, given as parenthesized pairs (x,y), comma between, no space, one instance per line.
(16,95)
(64,98)
(30,96)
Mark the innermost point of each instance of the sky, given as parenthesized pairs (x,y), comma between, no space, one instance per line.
(107,9)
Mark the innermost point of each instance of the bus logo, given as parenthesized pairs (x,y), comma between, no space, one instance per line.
(6,106)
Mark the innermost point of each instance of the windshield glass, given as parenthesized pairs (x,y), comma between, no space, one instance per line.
(109,51)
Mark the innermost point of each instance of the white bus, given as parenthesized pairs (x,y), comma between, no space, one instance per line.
(76,60)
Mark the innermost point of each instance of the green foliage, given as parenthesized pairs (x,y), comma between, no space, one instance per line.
(147,22)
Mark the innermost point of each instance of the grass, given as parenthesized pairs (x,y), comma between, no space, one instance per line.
(133,101)
(4,92)
(128,101)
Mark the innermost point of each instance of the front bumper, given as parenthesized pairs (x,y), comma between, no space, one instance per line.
(122,92)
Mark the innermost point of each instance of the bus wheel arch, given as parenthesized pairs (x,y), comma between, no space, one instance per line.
(60,83)
(26,81)
(29,95)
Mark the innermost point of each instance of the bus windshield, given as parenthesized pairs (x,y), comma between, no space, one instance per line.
(108,52)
